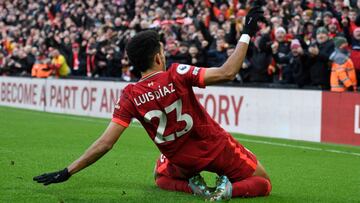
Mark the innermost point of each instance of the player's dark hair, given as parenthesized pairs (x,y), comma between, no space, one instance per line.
(142,48)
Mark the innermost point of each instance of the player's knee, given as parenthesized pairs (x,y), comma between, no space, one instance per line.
(160,182)
(265,175)
(157,181)
(260,171)
(265,182)
(263,186)
(267,187)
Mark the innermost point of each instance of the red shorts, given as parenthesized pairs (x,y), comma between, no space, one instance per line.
(164,168)
(235,161)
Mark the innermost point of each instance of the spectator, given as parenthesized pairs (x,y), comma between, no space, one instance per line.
(59,64)
(318,9)
(126,69)
(77,61)
(298,71)
(328,18)
(30,57)
(355,50)
(255,67)
(100,61)
(113,62)
(334,28)
(307,35)
(319,53)
(352,18)
(2,63)
(171,52)
(197,57)
(217,56)
(91,35)
(90,56)
(307,16)
(281,47)
(353,39)
(343,76)
(17,63)
(41,67)
(183,56)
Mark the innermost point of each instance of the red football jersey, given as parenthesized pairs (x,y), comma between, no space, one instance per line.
(166,106)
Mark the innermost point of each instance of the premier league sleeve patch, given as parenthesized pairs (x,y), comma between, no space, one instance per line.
(182,69)
(196,71)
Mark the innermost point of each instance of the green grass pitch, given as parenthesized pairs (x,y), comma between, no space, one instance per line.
(35,142)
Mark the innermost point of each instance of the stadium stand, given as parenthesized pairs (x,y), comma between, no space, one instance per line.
(292,47)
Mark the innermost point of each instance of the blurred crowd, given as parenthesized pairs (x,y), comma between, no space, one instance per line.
(302,42)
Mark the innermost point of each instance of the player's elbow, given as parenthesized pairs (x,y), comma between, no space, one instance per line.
(227,72)
(108,147)
(229,75)
(104,146)
(232,77)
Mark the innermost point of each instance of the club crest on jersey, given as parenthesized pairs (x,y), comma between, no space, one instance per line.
(182,69)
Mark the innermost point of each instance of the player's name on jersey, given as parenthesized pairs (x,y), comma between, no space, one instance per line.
(158,93)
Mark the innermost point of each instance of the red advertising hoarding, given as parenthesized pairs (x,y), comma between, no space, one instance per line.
(340,115)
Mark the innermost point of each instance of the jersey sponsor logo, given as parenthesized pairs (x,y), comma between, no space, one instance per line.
(182,69)
(196,71)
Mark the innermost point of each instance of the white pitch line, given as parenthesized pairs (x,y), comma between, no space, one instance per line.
(299,146)
(95,120)
(69,116)
(279,144)
(137,125)
(342,152)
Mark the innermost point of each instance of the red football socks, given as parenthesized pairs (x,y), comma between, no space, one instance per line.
(251,187)
(167,183)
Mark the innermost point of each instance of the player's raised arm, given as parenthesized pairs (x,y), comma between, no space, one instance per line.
(232,65)
(100,147)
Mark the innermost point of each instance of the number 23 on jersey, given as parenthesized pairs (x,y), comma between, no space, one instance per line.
(177,106)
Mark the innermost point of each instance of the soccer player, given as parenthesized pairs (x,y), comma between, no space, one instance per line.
(165,104)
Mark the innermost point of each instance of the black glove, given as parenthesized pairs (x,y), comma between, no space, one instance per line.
(250,27)
(55,177)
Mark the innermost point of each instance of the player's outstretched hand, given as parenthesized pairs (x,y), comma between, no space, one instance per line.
(251,27)
(54,177)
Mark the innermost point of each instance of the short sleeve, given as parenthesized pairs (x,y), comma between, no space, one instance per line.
(122,114)
(192,75)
